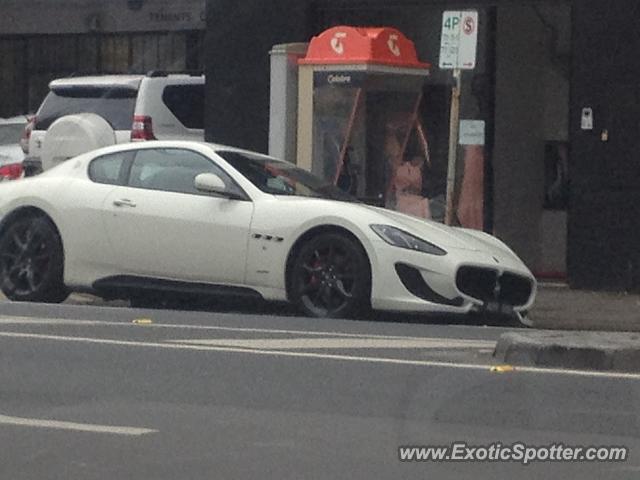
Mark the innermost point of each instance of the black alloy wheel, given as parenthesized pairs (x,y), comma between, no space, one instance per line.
(330,277)
(32,261)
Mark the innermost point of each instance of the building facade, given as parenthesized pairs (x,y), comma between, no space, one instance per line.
(555,85)
(41,40)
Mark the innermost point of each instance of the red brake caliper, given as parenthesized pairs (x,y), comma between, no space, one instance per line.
(314,277)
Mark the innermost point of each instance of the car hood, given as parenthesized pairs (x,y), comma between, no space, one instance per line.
(431,231)
(451,238)
(441,235)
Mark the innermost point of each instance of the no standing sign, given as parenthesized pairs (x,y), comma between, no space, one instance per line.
(459,41)
(458,48)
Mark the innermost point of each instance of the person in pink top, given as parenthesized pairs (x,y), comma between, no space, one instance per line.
(404,189)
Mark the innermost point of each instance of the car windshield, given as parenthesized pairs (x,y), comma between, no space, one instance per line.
(115,105)
(282,178)
(10,133)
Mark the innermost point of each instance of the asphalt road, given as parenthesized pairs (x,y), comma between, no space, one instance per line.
(114,393)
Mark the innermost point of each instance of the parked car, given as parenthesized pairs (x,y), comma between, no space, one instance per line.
(81,114)
(193,218)
(11,154)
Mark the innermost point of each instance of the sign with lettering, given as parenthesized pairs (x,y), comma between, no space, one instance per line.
(472,132)
(340,78)
(72,17)
(459,40)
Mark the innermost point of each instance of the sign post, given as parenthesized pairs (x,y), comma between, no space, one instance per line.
(458,47)
(454,130)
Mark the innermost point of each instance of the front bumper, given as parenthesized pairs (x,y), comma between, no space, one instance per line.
(459,282)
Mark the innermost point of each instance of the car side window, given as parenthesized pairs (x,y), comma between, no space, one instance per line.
(186,102)
(174,170)
(108,168)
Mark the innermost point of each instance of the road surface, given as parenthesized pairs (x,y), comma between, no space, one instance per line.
(103,393)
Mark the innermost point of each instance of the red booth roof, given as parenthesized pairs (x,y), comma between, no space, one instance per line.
(354,45)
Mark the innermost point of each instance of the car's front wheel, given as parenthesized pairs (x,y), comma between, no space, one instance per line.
(330,277)
(32,261)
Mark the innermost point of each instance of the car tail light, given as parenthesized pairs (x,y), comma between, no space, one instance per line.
(142,128)
(12,171)
(26,135)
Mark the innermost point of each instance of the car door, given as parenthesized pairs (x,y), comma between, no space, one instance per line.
(86,246)
(159,225)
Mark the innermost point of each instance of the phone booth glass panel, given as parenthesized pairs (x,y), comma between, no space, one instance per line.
(361,106)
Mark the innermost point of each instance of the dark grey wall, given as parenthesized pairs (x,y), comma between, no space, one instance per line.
(604,216)
(239,37)
(531,109)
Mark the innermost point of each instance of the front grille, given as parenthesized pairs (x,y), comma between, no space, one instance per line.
(412,280)
(476,282)
(488,285)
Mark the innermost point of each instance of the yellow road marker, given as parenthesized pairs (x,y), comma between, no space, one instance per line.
(502,368)
(142,321)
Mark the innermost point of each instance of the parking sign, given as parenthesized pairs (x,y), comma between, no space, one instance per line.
(459,40)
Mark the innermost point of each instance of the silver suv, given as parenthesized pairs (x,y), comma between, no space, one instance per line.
(81,114)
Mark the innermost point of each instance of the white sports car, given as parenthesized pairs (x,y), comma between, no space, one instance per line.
(197,218)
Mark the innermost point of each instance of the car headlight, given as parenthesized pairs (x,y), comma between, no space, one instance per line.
(399,238)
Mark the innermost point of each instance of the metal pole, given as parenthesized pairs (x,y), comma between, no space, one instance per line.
(410,125)
(454,127)
(347,135)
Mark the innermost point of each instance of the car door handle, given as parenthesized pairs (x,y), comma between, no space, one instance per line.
(124,202)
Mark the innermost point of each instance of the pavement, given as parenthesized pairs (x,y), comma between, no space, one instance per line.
(560,308)
(582,350)
(96,392)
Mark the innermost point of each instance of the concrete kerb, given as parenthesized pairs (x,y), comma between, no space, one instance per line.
(602,351)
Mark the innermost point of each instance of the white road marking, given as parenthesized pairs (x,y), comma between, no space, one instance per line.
(321,356)
(8,320)
(78,427)
(337,343)
(44,321)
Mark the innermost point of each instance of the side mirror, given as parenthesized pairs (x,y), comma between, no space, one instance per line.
(210,183)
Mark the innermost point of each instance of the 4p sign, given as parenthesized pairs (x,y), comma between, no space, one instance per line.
(451,21)
(459,41)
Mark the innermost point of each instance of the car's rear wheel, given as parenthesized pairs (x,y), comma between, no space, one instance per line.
(32,261)
(330,277)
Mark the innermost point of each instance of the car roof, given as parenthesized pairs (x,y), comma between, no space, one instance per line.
(127,81)
(178,144)
(131,81)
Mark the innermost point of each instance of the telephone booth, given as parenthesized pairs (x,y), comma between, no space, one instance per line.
(359,97)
